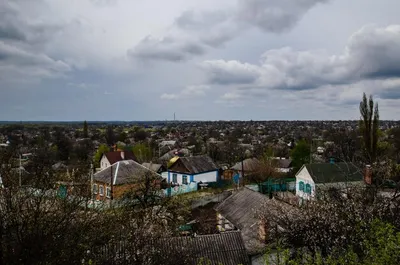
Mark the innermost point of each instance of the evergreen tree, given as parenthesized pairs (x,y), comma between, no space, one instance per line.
(85,130)
(369,126)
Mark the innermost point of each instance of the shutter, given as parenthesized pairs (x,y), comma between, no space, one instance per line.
(308,188)
(301,185)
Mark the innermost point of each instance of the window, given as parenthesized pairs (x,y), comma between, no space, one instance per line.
(95,189)
(184,179)
(174,178)
(108,192)
(308,189)
(301,185)
(101,190)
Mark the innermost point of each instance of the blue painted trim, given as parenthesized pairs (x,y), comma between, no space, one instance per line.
(191,178)
(169,178)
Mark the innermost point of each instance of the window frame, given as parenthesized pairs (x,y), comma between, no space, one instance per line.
(185,179)
(101,190)
(174,178)
(108,190)
(95,188)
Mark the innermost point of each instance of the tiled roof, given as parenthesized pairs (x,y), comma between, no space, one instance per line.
(241,210)
(123,172)
(336,172)
(225,248)
(116,156)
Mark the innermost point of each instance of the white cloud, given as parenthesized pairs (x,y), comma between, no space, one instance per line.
(372,53)
(188,92)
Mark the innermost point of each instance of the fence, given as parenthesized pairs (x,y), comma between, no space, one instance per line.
(172,191)
(276,185)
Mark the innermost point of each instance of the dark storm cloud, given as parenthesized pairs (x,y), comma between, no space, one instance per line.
(274,15)
(215,28)
(21,41)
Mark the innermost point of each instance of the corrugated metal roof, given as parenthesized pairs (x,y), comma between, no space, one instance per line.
(127,171)
(241,210)
(335,172)
(198,164)
(226,248)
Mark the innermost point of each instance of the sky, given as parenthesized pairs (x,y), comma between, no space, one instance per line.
(200,59)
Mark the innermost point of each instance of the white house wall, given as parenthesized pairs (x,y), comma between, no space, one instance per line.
(202,177)
(304,175)
(104,163)
(179,177)
(164,175)
(206,177)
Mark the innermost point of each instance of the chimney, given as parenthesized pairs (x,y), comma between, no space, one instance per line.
(368,175)
(123,155)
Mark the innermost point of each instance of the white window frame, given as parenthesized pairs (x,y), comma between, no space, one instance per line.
(95,189)
(101,190)
(108,192)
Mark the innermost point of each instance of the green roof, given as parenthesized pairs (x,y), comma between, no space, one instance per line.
(336,172)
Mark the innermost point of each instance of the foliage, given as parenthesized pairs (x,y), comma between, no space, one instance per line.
(110,136)
(85,130)
(300,154)
(142,152)
(338,221)
(369,127)
(100,151)
(140,135)
(380,246)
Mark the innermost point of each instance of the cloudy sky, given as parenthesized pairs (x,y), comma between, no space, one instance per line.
(202,59)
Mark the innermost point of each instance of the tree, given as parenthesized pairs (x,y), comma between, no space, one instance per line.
(140,135)
(369,126)
(110,137)
(63,144)
(100,151)
(85,130)
(142,152)
(300,154)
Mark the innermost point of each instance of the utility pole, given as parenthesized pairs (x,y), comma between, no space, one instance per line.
(242,170)
(91,181)
(111,185)
(20,171)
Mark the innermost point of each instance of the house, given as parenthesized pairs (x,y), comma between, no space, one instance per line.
(282,165)
(313,177)
(186,170)
(240,212)
(112,182)
(225,248)
(158,168)
(109,158)
(214,249)
(249,166)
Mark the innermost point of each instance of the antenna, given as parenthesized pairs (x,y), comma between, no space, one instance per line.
(174,116)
